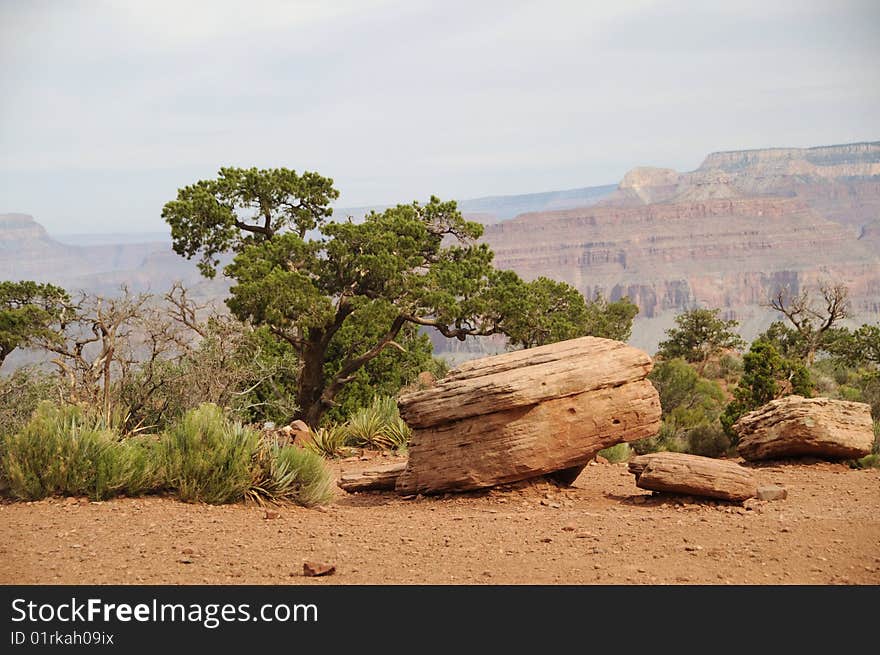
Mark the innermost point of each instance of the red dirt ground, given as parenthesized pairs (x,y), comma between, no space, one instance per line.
(602,530)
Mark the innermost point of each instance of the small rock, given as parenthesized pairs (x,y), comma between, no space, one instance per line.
(187,551)
(772,492)
(693,548)
(185,560)
(316,569)
(546,540)
(639,500)
(568,528)
(601,460)
(272,514)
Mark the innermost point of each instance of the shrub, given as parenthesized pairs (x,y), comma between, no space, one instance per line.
(379,425)
(708,440)
(64,451)
(329,441)
(292,473)
(618,453)
(20,394)
(208,458)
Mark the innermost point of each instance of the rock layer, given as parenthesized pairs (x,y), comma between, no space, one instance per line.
(795,426)
(527,413)
(693,475)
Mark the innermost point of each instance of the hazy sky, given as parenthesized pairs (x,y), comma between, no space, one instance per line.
(109,107)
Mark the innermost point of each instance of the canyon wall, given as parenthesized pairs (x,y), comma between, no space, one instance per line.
(727,235)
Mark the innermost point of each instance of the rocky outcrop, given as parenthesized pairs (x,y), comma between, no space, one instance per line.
(729,235)
(728,253)
(795,426)
(527,413)
(693,475)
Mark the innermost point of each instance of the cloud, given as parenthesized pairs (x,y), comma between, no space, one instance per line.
(397,100)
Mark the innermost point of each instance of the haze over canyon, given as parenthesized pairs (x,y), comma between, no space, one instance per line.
(727,235)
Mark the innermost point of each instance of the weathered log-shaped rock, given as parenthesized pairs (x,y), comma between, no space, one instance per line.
(527,413)
(377,479)
(693,475)
(795,426)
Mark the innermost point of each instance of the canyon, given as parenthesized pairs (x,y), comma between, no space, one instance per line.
(728,234)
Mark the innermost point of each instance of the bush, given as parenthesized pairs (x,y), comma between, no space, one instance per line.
(293,473)
(208,458)
(20,394)
(379,426)
(329,441)
(708,440)
(618,453)
(64,451)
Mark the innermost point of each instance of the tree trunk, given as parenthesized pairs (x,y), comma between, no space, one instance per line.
(311,386)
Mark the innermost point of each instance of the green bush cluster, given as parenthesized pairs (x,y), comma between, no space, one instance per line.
(690,409)
(63,451)
(378,425)
(204,457)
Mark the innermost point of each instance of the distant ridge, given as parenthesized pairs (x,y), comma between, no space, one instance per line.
(498,208)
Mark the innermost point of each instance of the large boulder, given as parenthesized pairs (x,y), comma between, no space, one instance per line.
(524,414)
(795,426)
(693,475)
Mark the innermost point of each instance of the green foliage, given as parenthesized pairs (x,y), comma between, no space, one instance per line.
(211,217)
(530,323)
(330,440)
(700,335)
(767,375)
(21,393)
(610,320)
(306,278)
(690,409)
(64,451)
(618,453)
(548,311)
(787,341)
(387,373)
(379,426)
(860,348)
(27,312)
(291,473)
(208,458)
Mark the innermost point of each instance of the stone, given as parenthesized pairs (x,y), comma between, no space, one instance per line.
(526,414)
(693,475)
(300,434)
(272,514)
(317,569)
(772,492)
(795,426)
(378,479)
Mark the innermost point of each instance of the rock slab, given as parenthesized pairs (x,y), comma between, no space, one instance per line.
(524,414)
(693,475)
(795,426)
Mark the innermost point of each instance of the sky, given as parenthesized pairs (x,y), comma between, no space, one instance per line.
(108,107)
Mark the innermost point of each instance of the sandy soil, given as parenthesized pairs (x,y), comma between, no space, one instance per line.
(602,530)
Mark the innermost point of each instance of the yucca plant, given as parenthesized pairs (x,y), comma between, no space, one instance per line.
(379,425)
(208,458)
(329,441)
(366,427)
